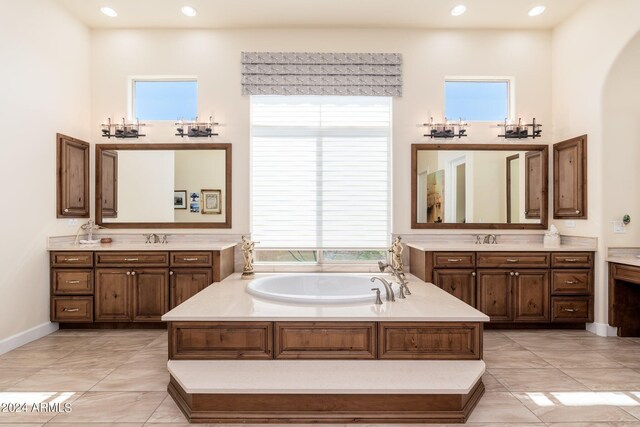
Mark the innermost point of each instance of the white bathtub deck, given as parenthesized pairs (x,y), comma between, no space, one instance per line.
(229,301)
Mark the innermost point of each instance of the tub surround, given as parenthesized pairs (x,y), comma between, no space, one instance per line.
(229,301)
(236,357)
(624,290)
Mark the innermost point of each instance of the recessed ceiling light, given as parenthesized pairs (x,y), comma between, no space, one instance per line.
(108,11)
(459,10)
(537,10)
(189,11)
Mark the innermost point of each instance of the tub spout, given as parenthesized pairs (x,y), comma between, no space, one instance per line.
(387,287)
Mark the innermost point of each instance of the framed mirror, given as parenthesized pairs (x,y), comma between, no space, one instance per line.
(184,185)
(479,186)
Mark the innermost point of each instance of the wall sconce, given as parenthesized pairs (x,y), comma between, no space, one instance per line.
(520,130)
(446,129)
(122,130)
(196,129)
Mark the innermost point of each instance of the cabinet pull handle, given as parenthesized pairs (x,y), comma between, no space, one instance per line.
(571,259)
(454,259)
(571,282)
(72,282)
(72,259)
(131,259)
(70,310)
(190,259)
(570,310)
(512,260)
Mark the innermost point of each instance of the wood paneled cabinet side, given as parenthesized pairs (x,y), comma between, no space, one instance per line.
(570,179)
(72,181)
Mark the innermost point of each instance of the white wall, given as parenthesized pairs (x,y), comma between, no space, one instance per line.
(584,49)
(214,57)
(45,89)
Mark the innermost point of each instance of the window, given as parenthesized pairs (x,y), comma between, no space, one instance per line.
(477,100)
(321,177)
(165,99)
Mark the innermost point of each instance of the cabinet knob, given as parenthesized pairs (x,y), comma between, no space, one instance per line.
(512,274)
(473,274)
(128,273)
(517,274)
(133,273)
(577,212)
(66,210)
(171,273)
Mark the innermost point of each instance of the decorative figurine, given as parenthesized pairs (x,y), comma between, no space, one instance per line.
(552,237)
(247,251)
(89,227)
(396,254)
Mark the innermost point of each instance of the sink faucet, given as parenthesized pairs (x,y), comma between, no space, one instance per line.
(399,275)
(387,287)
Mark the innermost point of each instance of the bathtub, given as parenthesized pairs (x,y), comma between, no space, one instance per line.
(318,288)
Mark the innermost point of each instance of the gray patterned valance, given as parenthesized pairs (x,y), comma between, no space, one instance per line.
(302,73)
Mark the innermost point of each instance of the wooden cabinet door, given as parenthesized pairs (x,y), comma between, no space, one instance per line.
(459,283)
(108,193)
(531,296)
(150,294)
(494,294)
(73,177)
(570,178)
(533,185)
(186,282)
(113,295)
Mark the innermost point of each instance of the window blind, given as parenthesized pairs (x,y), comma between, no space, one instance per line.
(321,171)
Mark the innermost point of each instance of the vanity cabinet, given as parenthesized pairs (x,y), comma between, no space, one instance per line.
(514,287)
(570,179)
(130,287)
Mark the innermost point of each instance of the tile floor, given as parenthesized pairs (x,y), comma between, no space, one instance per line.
(118,378)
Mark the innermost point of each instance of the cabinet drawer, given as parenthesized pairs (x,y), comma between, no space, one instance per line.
(72,309)
(572,282)
(72,282)
(571,309)
(325,340)
(135,259)
(191,259)
(220,340)
(626,273)
(572,260)
(454,259)
(515,259)
(72,259)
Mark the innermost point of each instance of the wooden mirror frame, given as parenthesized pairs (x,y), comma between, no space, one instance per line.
(544,214)
(100,148)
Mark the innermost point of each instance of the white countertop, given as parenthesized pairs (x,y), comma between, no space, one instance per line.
(327,376)
(125,246)
(626,260)
(523,247)
(229,301)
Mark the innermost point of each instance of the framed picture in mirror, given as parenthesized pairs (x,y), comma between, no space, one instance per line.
(211,202)
(180,199)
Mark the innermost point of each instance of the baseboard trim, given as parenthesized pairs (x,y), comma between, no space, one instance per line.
(602,329)
(22,338)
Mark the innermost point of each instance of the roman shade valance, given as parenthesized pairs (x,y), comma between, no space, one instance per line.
(307,73)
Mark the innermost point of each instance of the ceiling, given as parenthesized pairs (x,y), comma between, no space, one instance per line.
(486,14)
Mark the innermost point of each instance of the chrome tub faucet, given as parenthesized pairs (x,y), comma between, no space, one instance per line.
(387,287)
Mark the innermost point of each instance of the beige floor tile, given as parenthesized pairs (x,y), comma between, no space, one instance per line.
(53,379)
(536,380)
(51,342)
(607,379)
(537,343)
(513,359)
(596,343)
(167,412)
(138,376)
(595,424)
(500,407)
(101,359)
(501,343)
(112,407)
(150,357)
(35,414)
(628,359)
(577,406)
(491,383)
(10,376)
(52,424)
(572,359)
(21,424)
(32,358)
